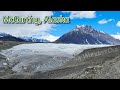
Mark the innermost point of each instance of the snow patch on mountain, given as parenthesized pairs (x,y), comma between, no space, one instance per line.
(4,34)
(87,41)
(102,32)
(99,41)
(31,39)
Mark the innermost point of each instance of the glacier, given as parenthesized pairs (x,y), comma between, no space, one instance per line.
(42,57)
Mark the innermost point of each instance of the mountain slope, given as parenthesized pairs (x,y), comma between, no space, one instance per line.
(31,39)
(8,37)
(87,35)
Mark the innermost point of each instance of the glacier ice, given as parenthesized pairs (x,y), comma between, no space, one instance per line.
(42,56)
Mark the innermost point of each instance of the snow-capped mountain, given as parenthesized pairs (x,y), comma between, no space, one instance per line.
(31,39)
(4,34)
(8,37)
(87,35)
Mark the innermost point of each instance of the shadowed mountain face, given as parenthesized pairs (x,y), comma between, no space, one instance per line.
(8,37)
(87,35)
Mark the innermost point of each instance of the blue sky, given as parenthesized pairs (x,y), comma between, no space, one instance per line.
(106,21)
(109,27)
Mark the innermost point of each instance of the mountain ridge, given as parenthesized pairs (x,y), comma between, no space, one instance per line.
(85,34)
(31,39)
(8,37)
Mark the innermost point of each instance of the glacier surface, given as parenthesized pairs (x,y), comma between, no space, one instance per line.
(42,56)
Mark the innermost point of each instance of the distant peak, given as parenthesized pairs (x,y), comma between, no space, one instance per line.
(4,34)
(83,26)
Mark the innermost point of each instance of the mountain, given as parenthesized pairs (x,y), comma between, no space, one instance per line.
(87,35)
(31,39)
(8,37)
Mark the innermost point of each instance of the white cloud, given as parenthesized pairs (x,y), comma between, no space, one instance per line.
(103,21)
(118,24)
(110,20)
(118,33)
(45,35)
(81,14)
(116,36)
(25,29)
(50,37)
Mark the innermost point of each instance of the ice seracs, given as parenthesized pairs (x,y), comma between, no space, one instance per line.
(41,56)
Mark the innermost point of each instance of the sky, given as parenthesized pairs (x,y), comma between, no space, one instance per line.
(106,21)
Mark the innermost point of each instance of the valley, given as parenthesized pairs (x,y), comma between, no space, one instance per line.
(82,53)
(39,57)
